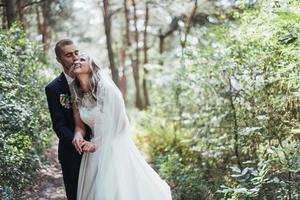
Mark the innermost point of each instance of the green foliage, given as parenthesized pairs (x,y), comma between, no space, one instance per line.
(187,180)
(237,90)
(172,154)
(275,178)
(23,115)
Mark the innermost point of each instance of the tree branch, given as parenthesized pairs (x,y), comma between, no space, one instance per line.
(189,23)
(172,27)
(32,3)
(115,11)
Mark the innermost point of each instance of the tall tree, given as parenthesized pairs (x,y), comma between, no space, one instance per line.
(20,11)
(10,12)
(123,78)
(45,8)
(125,52)
(107,26)
(43,14)
(136,65)
(127,21)
(145,89)
(3,15)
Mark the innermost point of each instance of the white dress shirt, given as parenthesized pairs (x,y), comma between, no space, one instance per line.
(69,79)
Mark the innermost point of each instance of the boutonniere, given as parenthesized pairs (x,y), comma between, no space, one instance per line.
(65,101)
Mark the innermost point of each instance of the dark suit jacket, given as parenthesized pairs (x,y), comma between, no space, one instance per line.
(62,117)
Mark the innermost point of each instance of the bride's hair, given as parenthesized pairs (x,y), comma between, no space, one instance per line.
(94,78)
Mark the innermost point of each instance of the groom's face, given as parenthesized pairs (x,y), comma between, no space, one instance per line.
(69,54)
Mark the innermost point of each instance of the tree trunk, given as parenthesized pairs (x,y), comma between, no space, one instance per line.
(189,24)
(235,127)
(10,12)
(161,42)
(127,24)
(124,52)
(107,26)
(38,19)
(161,47)
(123,78)
(138,100)
(42,14)
(4,21)
(145,89)
(47,33)
(21,13)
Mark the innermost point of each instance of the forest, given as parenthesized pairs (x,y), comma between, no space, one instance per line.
(211,88)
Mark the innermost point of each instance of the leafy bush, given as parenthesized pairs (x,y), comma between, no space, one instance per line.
(23,115)
(173,153)
(237,91)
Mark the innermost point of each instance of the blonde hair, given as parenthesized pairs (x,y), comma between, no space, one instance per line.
(76,90)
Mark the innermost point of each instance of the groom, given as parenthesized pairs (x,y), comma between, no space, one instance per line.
(60,107)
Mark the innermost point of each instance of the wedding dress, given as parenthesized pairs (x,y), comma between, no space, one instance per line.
(116,170)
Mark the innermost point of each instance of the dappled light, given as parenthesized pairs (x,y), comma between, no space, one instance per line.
(211,89)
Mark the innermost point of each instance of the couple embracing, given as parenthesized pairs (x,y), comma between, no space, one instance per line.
(98,158)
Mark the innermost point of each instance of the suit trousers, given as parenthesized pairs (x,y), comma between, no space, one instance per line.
(70,169)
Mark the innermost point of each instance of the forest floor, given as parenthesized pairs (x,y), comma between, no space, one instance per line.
(48,183)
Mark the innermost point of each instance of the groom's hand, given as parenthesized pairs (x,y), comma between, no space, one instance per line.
(77,142)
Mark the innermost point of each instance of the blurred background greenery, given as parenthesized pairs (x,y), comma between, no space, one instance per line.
(211,87)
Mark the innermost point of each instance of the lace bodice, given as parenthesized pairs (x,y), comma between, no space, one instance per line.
(88,110)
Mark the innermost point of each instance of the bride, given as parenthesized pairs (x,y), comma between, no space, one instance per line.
(112,168)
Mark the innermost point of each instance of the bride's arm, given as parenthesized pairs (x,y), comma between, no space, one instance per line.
(79,129)
(79,143)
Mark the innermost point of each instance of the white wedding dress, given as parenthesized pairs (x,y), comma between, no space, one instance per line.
(117,170)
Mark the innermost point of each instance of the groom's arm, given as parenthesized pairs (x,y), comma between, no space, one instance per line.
(59,123)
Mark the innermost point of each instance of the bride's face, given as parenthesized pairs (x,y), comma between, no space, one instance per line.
(82,66)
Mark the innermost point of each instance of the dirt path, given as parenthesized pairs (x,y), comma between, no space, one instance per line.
(48,184)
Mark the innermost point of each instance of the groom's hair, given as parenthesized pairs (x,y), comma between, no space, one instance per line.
(60,44)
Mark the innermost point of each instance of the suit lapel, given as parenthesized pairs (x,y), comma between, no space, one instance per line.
(64,89)
(64,83)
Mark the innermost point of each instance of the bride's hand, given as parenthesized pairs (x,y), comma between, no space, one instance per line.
(88,147)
